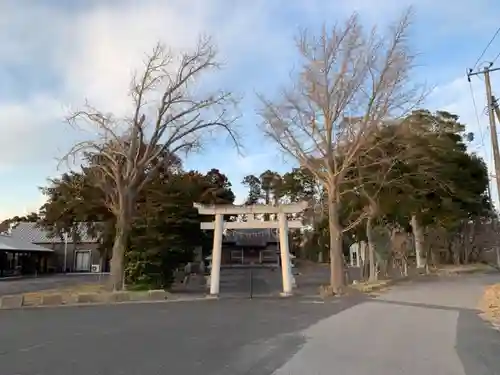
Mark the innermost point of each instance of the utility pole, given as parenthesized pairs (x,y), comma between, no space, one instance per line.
(496,111)
(491,115)
(492,111)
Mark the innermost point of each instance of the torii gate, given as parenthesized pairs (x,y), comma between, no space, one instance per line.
(282,223)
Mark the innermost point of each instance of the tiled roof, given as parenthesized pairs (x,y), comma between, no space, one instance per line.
(10,243)
(251,237)
(31,233)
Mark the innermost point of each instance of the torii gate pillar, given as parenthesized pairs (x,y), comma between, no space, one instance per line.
(283,224)
(286,263)
(216,255)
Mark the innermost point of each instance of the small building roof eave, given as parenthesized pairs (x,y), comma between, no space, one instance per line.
(10,244)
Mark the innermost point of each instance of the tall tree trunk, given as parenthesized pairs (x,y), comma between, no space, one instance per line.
(118,257)
(104,258)
(365,272)
(469,242)
(337,279)
(418,234)
(455,251)
(267,201)
(122,229)
(371,250)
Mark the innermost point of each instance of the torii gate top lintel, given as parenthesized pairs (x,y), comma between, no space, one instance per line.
(230,209)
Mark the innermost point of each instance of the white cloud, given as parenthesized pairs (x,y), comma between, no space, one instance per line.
(468,100)
(252,163)
(92,52)
(456,97)
(27,130)
(21,209)
(443,16)
(109,43)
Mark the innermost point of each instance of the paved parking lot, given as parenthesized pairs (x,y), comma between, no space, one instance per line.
(415,328)
(224,337)
(26,285)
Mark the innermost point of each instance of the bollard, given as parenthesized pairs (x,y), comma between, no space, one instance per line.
(251,283)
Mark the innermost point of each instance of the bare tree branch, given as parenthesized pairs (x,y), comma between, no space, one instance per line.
(351,83)
(171,115)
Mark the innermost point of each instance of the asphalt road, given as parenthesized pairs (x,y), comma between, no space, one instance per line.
(429,327)
(425,327)
(226,337)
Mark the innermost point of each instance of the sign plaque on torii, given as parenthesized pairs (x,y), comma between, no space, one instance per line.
(282,224)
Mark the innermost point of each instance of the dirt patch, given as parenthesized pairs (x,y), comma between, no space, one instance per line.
(326,291)
(446,270)
(368,287)
(490,304)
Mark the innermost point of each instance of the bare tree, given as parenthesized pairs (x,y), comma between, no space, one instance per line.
(350,82)
(170,116)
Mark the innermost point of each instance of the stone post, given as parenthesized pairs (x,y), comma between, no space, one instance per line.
(216,255)
(286,271)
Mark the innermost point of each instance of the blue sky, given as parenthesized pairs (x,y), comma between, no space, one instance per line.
(56,54)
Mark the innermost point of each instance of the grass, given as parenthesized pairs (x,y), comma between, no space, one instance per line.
(462,268)
(490,303)
(368,287)
(325,291)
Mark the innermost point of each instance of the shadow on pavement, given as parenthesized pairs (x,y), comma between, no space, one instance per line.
(478,345)
(477,342)
(225,337)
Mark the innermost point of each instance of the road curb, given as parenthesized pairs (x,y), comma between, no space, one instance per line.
(100,304)
(11,302)
(52,299)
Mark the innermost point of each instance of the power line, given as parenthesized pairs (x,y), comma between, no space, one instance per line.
(486,48)
(488,157)
(496,58)
(477,114)
(492,112)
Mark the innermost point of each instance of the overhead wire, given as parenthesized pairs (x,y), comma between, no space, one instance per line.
(481,134)
(496,58)
(479,127)
(486,48)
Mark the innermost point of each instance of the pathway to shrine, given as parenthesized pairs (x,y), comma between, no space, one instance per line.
(246,282)
(283,224)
